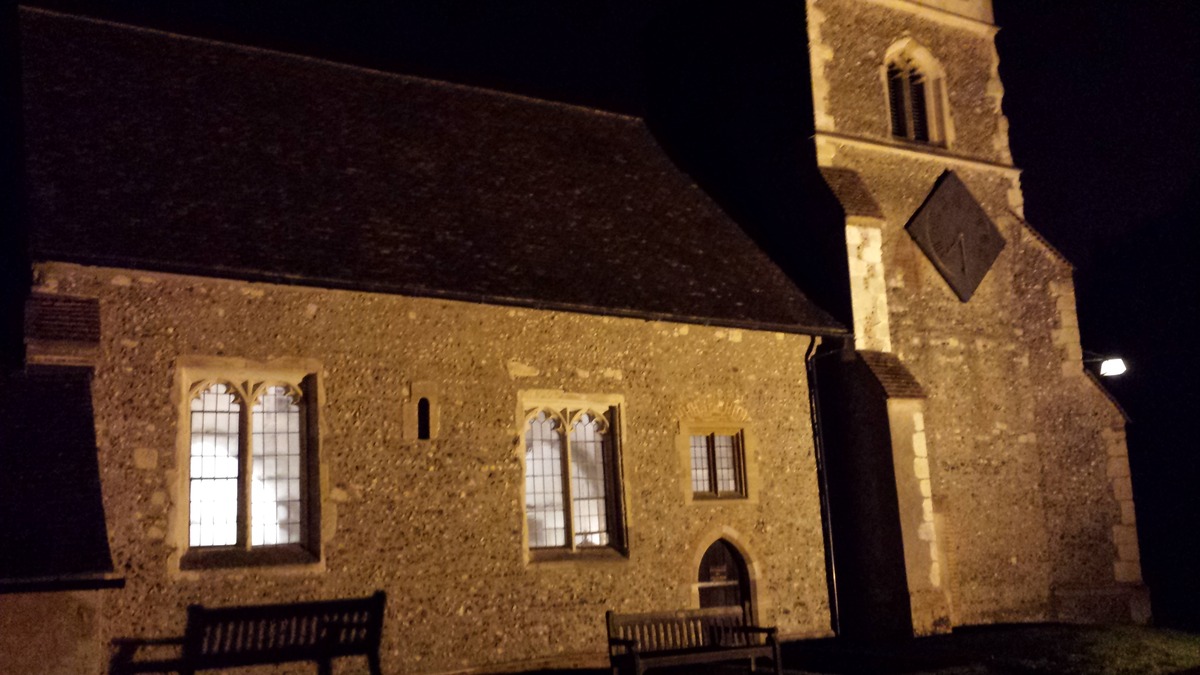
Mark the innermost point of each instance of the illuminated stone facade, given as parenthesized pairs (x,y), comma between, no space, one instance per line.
(438,524)
(1012,491)
(1030,490)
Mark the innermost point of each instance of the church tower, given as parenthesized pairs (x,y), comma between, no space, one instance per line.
(976,472)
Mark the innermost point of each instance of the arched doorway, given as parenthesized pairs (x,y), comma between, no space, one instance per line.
(723,578)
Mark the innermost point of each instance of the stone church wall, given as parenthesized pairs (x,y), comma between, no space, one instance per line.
(438,524)
(1028,459)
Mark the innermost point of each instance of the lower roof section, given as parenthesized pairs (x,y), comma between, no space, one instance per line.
(51,515)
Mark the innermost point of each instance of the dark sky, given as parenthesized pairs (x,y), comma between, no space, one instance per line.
(1103,98)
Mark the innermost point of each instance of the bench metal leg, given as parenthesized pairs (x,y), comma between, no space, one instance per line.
(325,667)
(373,661)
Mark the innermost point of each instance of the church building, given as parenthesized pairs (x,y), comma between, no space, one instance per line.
(299,330)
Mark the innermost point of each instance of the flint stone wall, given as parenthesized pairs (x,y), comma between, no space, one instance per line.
(438,524)
(1027,453)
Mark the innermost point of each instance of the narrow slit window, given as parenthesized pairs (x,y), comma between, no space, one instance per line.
(423,419)
(920,126)
(896,101)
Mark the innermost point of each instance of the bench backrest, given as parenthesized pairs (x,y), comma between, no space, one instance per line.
(226,636)
(682,629)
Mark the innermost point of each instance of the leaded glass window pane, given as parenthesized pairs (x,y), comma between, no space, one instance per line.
(213,477)
(718,465)
(726,461)
(589,505)
(700,475)
(276,505)
(545,512)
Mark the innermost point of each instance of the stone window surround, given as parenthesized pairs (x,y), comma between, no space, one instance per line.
(417,390)
(718,424)
(529,404)
(912,56)
(196,372)
(739,458)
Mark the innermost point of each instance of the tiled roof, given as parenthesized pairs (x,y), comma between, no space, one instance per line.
(895,378)
(155,151)
(51,514)
(62,318)
(1037,236)
(852,192)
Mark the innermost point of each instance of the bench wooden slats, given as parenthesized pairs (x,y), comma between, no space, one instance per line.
(685,637)
(226,637)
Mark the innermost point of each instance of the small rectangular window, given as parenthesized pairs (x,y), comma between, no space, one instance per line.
(718,464)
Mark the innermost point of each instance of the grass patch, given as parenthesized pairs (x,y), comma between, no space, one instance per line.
(1013,650)
(1071,650)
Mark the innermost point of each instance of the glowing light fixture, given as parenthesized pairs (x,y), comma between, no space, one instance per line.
(1112,367)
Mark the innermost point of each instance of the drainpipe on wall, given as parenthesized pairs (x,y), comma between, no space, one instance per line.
(814,407)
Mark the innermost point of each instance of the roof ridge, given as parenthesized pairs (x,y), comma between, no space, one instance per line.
(487,91)
(1041,239)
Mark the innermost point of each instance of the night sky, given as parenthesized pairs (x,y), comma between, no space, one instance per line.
(1103,98)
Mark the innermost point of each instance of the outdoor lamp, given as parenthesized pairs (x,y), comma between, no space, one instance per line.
(1110,366)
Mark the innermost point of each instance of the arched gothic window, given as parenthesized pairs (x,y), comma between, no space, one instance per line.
(250,475)
(571,495)
(915,95)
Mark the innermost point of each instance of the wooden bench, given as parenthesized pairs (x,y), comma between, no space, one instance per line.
(226,637)
(637,642)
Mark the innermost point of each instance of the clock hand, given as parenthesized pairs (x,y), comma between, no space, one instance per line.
(962,253)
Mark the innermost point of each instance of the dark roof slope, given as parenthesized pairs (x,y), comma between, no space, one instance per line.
(895,378)
(156,151)
(852,192)
(51,512)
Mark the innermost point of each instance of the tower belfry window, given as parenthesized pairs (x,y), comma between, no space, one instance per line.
(914,101)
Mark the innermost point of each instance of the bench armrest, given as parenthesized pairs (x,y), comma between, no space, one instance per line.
(769,633)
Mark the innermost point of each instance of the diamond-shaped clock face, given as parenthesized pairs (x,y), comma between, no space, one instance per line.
(957,236)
